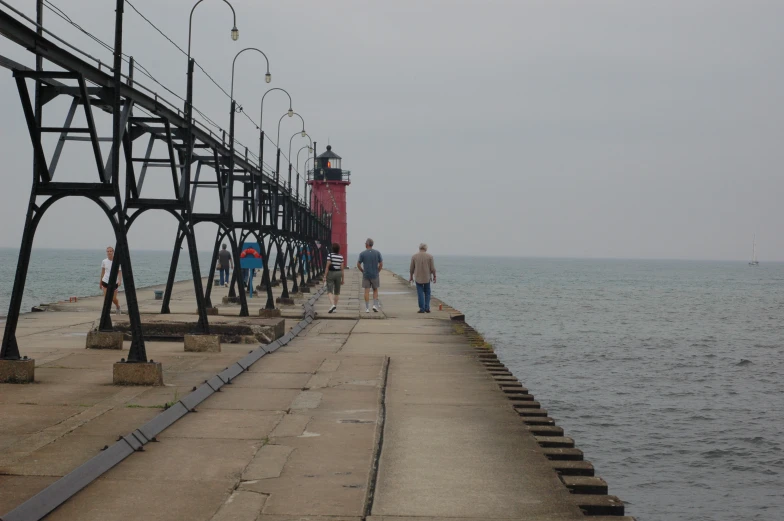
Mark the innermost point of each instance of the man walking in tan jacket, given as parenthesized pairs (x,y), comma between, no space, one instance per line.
(422,269)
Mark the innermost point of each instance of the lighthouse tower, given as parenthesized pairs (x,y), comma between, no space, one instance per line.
(328,190)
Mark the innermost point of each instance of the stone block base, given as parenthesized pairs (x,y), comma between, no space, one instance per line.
(285,301)
(142,373)
(104,340)
(211,311)
(269,313)
(304,289)
(17,371)
(231,300)
(275,283)
(202,343)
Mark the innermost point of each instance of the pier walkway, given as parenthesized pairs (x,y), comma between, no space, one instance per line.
(389,416)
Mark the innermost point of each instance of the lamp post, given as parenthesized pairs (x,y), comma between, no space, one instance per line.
(305,168)
(235,34)
(310,149)
(261,120)
(233,110)
(304,134)
(277,142)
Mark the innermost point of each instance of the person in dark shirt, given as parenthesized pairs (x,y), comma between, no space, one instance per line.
(370,263)
(224,263)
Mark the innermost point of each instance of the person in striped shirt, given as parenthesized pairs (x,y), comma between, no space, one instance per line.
(334,276)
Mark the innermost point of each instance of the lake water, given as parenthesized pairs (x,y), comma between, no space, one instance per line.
(668,374)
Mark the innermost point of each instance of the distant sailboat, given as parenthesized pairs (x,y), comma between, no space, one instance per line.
(754,261)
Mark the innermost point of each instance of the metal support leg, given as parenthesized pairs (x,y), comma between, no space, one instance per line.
(172,270)
(10,348)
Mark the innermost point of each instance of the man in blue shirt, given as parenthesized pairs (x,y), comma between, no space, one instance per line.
(370,264)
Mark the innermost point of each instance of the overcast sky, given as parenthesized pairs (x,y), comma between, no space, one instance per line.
(585,128)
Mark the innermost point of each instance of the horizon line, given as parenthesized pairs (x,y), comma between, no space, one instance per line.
(485,256)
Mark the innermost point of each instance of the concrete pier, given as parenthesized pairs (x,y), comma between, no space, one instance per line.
(382,416)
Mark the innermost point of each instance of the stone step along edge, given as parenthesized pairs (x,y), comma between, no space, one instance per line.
(43,503)
(588,491)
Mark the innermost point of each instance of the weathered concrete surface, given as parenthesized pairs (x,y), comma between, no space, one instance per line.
(74,410)
(17,371)
(104,340)
(145,373)
(296,436)
(231,329)
(202,343)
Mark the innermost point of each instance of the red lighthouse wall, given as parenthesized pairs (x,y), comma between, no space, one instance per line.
(332,197)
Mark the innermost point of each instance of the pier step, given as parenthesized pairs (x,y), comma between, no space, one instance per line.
(563,453)
(585,484)
(593,505)
(521,399)
(546,430)
(555,441)
(530,411)
(538,420)
(530,404)
(572,467)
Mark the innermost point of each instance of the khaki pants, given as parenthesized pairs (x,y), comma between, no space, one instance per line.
(334,279)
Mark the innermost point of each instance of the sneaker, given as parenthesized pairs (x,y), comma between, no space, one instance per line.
(367,310)
(420,311)
(427,311)
(118,311)
(375,309)
(332,309)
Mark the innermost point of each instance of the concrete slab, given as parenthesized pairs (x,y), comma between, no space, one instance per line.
(202,343)
(18,489)
(17,371)
(271,380)
(104,340)
(148,373)
(268,463)
(238,398)
(188,459)
(224,424)
(291,425)
(241,506)
(132,500)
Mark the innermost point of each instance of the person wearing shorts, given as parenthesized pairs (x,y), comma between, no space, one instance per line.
(370,263)
(103,280)
(334,276)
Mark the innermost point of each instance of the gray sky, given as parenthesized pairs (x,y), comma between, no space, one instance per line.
(584,128)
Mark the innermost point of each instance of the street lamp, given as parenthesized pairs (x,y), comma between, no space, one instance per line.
(304,134)
(235,33)
(267,77)
(233,109)
(277,141)
(310,149)
(261,120)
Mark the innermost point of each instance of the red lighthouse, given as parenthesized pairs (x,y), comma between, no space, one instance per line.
(328,190)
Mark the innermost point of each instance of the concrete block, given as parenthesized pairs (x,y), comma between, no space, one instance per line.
(285,301)
(269,313)
(231,300)
(17,371)
(212,311)
(304,289)
(140,373)
(104,340)
(202,343)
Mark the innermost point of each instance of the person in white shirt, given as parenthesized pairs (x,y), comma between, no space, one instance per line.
(106,267)
(333,276)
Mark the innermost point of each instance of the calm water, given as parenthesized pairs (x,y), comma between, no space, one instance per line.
(58,274)
(669,374)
